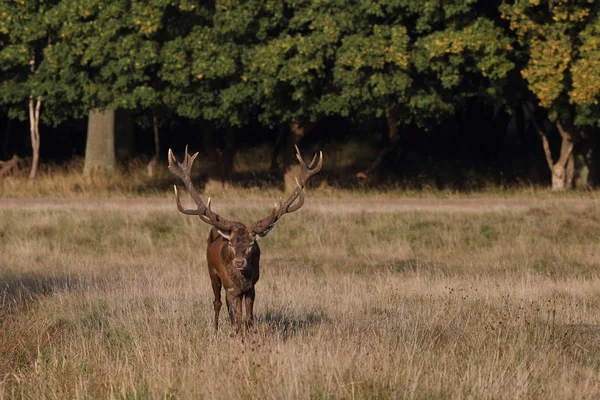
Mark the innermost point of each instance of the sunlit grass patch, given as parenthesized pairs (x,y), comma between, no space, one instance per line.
(116,302)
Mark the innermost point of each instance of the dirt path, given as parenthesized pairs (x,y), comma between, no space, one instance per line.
(323,205)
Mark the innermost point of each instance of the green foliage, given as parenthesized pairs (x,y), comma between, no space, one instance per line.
(418,60)
(24,34)
(561,46)
(92,54)
(289,64)
(285,60)
(364,59)
(373,69)
(202,68)
(111,47)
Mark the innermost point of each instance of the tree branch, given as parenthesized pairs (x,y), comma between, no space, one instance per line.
(31,114)
(545,143)
(37,108)
(561,130)
(567,145)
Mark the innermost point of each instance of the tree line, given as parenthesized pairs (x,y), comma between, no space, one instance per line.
(289,64)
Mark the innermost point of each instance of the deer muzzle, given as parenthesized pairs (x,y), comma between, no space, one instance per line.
(240,263)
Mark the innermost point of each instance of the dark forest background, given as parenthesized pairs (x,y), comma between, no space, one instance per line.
(454,93)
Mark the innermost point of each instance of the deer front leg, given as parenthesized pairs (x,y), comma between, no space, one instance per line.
(249,302)
(234,304)
(216,285)
(230,307)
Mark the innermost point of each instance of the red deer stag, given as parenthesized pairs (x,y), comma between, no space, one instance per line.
(233,255)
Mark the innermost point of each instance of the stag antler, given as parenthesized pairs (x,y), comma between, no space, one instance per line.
(184,171)
(263,226)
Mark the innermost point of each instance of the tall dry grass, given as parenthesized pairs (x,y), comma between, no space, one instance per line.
(117,304)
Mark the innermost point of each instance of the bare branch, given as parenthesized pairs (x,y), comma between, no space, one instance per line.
(567,145)
(564,134)
(545,143)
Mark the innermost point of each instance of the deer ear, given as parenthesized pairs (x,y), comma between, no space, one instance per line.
(225,235)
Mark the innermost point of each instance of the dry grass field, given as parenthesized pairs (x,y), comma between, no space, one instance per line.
(112,300)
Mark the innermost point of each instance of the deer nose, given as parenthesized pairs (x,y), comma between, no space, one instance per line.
(240,263)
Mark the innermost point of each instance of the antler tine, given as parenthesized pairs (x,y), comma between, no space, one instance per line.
(180,207)
(300,202)
(313,161)
(264,225)
(173,164)
(305,173)
(319,165)
(299,157)
(184,171)
(218,221)
(309,170)
(277,211)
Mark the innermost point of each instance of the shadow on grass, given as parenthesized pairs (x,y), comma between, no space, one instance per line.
(286,326)
(20,292)
(25,336)
(581,342)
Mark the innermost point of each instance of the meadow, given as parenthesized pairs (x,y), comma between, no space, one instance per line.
(112,300)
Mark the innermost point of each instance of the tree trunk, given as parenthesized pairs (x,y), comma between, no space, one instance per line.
(34,127)
(100,146)
(298,130)
(391,144)
(6,137)
(154,161)
(221,154)
(277,148)
(229,150)
(582,170)
(124,143)
(563,170)
(156,137)
(528,143)
(593,159)
(584,154)
(212,155)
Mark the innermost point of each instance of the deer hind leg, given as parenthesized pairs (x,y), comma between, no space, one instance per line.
(249,302)
(216,285)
